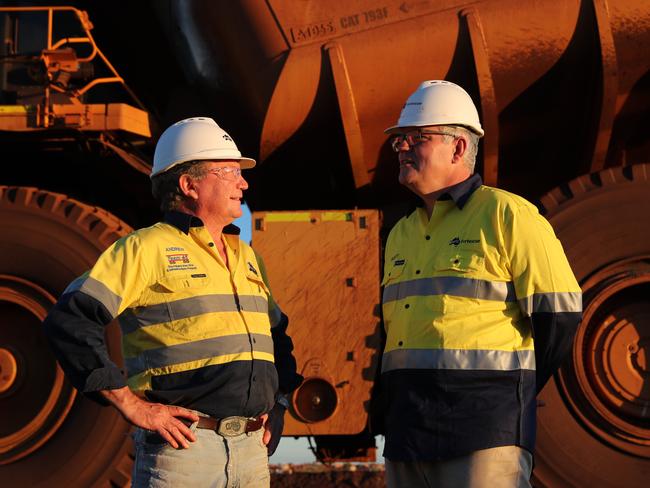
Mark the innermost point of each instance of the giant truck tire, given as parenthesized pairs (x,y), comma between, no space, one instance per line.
(49,435)
(594,416)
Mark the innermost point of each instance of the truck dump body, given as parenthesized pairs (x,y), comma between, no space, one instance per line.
(307,88)
(344,69)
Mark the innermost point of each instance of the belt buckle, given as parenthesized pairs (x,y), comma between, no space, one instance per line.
(232,426)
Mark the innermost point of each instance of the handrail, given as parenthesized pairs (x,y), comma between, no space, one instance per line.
(82,16)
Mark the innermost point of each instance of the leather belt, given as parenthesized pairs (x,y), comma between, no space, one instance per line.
(231,426)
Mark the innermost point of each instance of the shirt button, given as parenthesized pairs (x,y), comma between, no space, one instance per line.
(417,271)
(211,244)
(406,306)
(427,238)
(456,261)
(400,343)
(254,379)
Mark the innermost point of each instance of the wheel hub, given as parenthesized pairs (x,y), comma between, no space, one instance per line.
(39,405)
(620,365)
(607,385)
(315,400)
(8,370)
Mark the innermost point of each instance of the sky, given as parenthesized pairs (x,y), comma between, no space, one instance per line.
(291,450)
(244,223)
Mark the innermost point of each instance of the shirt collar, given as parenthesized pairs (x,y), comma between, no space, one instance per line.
(183,222)
(460,192)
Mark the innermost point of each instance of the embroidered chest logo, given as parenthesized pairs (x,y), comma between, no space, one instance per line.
(456,241)
(178,258)
(177,261)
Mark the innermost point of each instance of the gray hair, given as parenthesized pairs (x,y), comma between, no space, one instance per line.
(165,188)
(472,143)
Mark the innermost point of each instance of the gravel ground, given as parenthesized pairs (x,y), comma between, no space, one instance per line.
(351,475)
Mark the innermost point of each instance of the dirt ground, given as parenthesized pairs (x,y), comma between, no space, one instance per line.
(350,475)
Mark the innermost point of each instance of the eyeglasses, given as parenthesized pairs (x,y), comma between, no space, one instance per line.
(228,173)
(415,138)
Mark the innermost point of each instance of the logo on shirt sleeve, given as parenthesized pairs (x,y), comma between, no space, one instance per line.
(252,269)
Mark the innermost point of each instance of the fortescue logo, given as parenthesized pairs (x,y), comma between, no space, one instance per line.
(457,240)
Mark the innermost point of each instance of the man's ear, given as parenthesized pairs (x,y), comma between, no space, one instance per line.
(187,186)
(459,150)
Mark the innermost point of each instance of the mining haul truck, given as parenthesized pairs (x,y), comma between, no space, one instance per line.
(307,87)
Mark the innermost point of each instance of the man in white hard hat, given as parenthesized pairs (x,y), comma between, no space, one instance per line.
(207,357)
(480,307)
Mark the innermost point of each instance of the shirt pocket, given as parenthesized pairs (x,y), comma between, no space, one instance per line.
(182,296)
(460,262)
(457,275)
(181,283)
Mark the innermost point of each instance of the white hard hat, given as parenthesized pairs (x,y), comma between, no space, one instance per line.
(195,139)
(438,102)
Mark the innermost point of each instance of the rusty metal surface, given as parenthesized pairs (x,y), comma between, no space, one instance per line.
(329,288)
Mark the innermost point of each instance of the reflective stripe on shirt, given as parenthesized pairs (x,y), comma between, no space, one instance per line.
(551,303)
(203,349)
(190,307)
(451,285)
(471,359)
(98,290)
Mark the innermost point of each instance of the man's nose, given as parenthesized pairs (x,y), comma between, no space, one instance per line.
(243,184)
(403,145)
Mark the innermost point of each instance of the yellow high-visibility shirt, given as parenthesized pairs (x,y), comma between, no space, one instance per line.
(195,332)
(462,283)
(480,306)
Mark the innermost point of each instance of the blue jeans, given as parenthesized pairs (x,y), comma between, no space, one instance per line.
(212,461)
